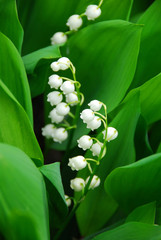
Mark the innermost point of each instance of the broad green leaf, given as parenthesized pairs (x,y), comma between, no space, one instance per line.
(159,148)
(12,73)
(100,43)
(149,61)
(16,128)
(132,231)
(150,99)
(55,189)
(32,59)
(145,214)
(22,192)
(9,24)
(111,9)
(155,136)
(101,206)
(138,9)
(137,183)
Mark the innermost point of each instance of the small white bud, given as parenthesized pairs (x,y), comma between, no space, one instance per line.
(77,163)
(55,118)
(85,142)
(96,149)
(72,97)
(62,109)
(55,81)
(87,115)
(64,63)
(67,87)
(54,98)
(77,184)
(58,38)
(112,133)
(95,105)
(68,200)
(48,131)
(94,183)
(60,135)
(55,66)
(74,22)
(94,124)
(92,12)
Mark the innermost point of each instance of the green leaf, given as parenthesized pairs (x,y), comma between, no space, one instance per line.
(32,59)
(16,128)
(101,44)
(55,189)
(145,214)
(111,9)
(149,60)
(12,73)
(22,192)
(132,231)
(9,24)
(125,122)
(137,183)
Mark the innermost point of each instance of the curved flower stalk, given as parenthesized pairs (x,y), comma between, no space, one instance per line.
(75,21)
(66,96)
(94,119)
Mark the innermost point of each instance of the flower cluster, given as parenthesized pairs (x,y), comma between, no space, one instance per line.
(65,96)
(86,142)
(75,21)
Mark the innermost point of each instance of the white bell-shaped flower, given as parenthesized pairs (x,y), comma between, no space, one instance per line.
(67,87)
(94,124)
(92,12)
(54,98)
(96,149)
(94,183)
(60,135)
(72,98)
(64,63)
(112,133)
(85,142)
(62,109)
(87,115)
(77,184)
(55,66)
(68,200)
(77,163)
(55,118)
(48,131)
(74,22)
(55,81)
(58,38)
(95,105)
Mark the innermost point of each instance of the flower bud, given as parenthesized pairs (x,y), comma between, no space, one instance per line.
(112,133)
(48,131)
(95,105)
(96,149)
(55,66)
(67,87)
(77,184)
(77,163)
(85,142)
(55,118)
(94,124)
(94,183)
(60,135)
(58,38)
(68,200)
(54,98)
(74,22)
(92,12)
(87,115)
(55,81)
(62,109)
(72,97)
(64,63)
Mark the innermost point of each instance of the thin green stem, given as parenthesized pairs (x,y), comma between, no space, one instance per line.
(100,3)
